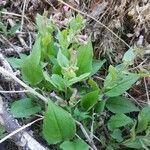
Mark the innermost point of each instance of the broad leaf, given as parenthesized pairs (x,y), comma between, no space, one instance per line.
(24,108)
(89,100)
(120,105)
(58,125)
(122,85)
(75,145)
(143,119)
(118,120)
(31,73)
(84,58)
(96,65)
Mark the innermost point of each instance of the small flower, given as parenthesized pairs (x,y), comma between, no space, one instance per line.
(85,37)
(66,8)
(53,94)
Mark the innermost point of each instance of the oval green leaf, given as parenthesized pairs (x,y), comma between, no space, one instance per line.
(58,125)
(24,108)
(118,120)
(120,105)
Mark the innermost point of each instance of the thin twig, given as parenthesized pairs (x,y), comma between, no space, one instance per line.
(18,130)
(10,13)
(133,98)
(10,92)
(86,135)
(23,12)
(147,93)
(92,127)
(89,16)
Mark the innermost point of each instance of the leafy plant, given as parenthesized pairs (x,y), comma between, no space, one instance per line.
(62,64)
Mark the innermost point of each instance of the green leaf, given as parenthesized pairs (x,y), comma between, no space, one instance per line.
(58,125)
(75,145)
(136,143)
(143,119)
(117,135)
(145,112)
(31,70)
(76,23)
(3,27)
(14,29)
(93,84)
(122,85)
(63,39)
(24,108)
(84,58)
(118,120)
(78,79)
(31,73)
(62,60)
(100,106)
(2,132)
(132,130)
(89,100)
(44,25)
(79,115)
(35,55)
(129,56)
(59,82)
(120,105)
(15,62)
(96,65)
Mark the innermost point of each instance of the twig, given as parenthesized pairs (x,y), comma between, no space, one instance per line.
(9,13)
(22,16)
(147,93)
(89,16)
(86,135)
(18,130)
(133,98)
(10,92)
(92,126)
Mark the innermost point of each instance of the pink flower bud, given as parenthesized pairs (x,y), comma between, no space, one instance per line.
(66,8)
(85,37)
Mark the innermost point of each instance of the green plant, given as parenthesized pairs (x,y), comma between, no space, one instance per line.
(61,67)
